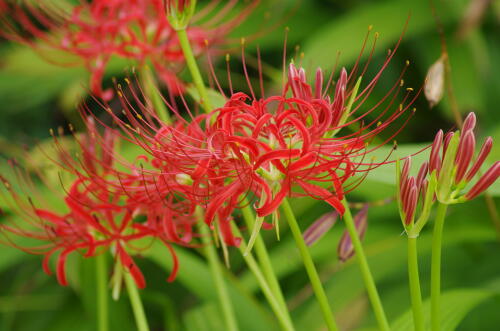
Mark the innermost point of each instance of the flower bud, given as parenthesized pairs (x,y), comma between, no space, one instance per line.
(483,153)
(446,174)
(345,248)
(435,159)
(464,154)
(484,182)
(321,226)
(179,12)
(470,122)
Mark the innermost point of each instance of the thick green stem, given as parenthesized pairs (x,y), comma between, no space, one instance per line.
(416,296)
(153,95)
(216,271)
(194,70)
(371,288)
(281,312)
(135,300)
(437,237)
(102,293)
(309,265)
(264,260)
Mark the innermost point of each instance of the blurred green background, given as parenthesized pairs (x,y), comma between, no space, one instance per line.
(36,96)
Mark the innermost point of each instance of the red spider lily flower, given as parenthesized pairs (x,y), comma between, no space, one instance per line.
(272,147)
(96,31)
(100,214)
(182,169)
(452,159)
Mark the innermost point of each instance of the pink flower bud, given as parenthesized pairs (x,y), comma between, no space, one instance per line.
(483,153)
(435,160)
(485,181)
(464,154)
(422,173)
(320,227)
(447,139)
(469,123)
(410,204)
(406,168)
(345,248)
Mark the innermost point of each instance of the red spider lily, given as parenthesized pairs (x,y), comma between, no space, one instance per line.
(103,211)
(96,31)
(452,159)
(181,167)
(269,147)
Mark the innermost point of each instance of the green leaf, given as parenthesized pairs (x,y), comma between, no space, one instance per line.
(455,305)
(204,318)
(354,25)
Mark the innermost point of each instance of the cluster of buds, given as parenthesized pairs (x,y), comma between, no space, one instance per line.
(95,32)
(180,12)
(452,160)
(411,190)
(451,167)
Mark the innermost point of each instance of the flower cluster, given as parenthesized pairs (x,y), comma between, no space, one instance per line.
(95,32)
(99,216)
(300,142)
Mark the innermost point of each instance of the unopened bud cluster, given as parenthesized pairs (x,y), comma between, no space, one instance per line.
(452,158)
(451,167)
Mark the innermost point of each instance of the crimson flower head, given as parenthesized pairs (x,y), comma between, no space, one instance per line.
(95,32)
(452,159)
(303,141)
(293,144)
(96,216)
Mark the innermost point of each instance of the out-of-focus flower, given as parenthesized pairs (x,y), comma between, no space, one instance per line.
(99,214)
(452,159)
(95,32)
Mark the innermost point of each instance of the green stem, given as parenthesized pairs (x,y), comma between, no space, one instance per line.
(216,271)
(102,293)
(309,265)
(437,237)
(264,260)
(135,300)
(153,95)
(416,296)
(280,311)
(194,70)
(371,288)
